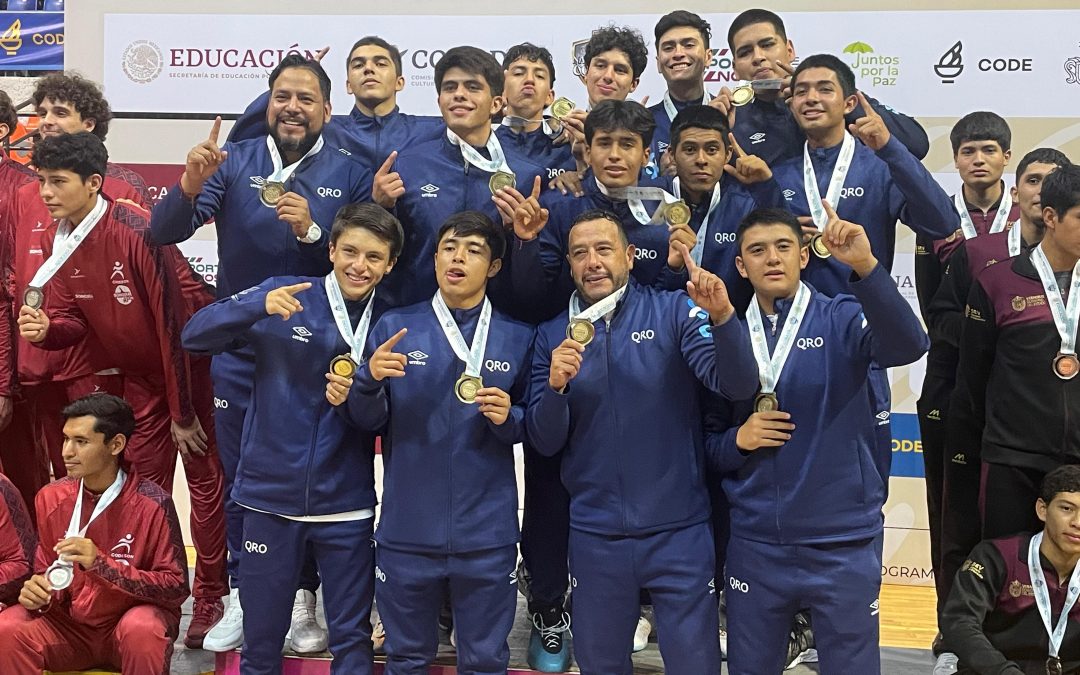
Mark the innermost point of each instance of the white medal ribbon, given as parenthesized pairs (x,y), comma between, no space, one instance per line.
(470,155)
(1065,317)
(518,124)
(703,231)
(472,355)
(65,243)
(836,183)
(634,196)
(107,497)
(968,226)
(1015,231)
(283,173)
(356,339)
(672,111)
(1042,596)
(595,310)
(770,367)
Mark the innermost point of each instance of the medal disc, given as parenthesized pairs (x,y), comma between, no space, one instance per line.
(1066,366)
(580,331)
(677,213)
(343,366)
(466,387)
(740,96)
(561,108)
(766,403)
(33,297)
(60,575)
(500,180)
(1053,666)
(270,192)
(817,245)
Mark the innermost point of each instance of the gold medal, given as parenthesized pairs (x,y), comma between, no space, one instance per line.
(740,96)
(677,213)
(270,192)
(561,108)
(343,366)
(580,331)
(817,245)
(466,387)
(1066,366)
(766,403)
(500,180)
(33,297)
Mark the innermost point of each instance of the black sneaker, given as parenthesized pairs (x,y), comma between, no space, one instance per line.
(548,650)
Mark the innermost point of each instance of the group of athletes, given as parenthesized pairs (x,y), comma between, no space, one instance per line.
(685,314)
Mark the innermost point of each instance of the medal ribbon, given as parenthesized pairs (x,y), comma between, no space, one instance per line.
(1065,317)
(769,368)
(472,355)
(836,182)
(703,231)
(672,111)
(634,196)
(282,174)
(356,339)
(1014,239)
(64,244)
(597,309)
(1000,219)
(470,155)
(518,124)
(1042,596)
(107,497)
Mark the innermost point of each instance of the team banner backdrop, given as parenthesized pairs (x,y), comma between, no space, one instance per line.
(922,63)
(31,40)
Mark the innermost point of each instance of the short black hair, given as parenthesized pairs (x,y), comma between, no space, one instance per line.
(112,414)
(1065,478)
(530,52)
(610,115)
(680,18)
(700,117)
(600,214)
(749,18)
(83,95)
(474,61)
(374,219)
(395,53)
(626,39)
(1061,189)
(842,70)
(981,125)
(84,153)
(465,223)
(767,216)
(299,61)
(8,115)
(1041,156)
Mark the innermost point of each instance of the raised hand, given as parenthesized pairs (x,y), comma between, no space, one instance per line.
(387,187)
(385,362)
(722,102)
(706,289)
(848,243)
(282,301)
(785,87)
(565,364)
(203,161)
(528,217)
(870,128)
(748,169)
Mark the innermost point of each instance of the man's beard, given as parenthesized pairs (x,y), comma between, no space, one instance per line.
(298,145)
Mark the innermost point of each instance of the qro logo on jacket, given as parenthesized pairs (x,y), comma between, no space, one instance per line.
(740,586)
(254,547)
(497,366)
(380,575)
(301,333)
(121,552)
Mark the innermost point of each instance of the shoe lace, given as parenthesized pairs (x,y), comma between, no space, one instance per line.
(204,611)
(551,635)
(234,613)
(303,611)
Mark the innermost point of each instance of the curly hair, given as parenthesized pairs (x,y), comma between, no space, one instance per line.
(625,39)
(8,115)
(84,96)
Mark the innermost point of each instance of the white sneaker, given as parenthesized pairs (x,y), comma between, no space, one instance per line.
(947,664)
(307,635)
(805,656)
(641,634)
(228,633)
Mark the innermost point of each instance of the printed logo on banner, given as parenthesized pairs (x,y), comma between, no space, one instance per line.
(142,61)
(907,448)
(1072,70)
(882,70)
(722,67)
(951,63)
(11,40)
(577,57)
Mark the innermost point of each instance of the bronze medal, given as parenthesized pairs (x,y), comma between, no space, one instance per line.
(580,331)
(1066,366)
(740,96)
(677,213)
(817,245)
(1053,666)
(466,387)
(343,366)
(561,108)
(500,180)
(766,403)
(270,192)
(33,297)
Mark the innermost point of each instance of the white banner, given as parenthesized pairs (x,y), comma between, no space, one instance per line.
(922,63)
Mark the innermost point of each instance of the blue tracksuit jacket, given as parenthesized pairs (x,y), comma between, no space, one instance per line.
(538,149)
(630,424)
(662,135)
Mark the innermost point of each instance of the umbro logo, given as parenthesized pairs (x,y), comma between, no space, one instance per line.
(302,333)
(417,358)
(256,181)
(875,606)
(788,194)
(344,152)
(429,190)
(883,418)
(759,137)
(662,146)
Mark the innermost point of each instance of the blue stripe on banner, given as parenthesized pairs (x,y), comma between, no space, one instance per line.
(31,40)
(907,458)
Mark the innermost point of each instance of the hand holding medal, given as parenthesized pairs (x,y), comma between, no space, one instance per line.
(338,383)
(765,428)
(493,403)
(36,592)
(566,362)
(33,323)
(848,242)
(202,162)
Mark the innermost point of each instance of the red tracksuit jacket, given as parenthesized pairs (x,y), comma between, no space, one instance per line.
(12,176)
(18,541)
